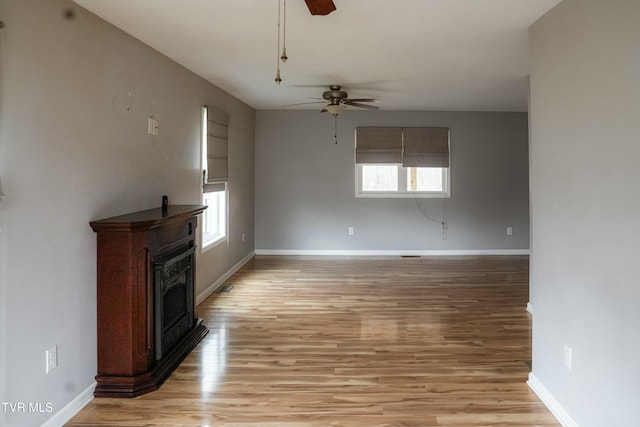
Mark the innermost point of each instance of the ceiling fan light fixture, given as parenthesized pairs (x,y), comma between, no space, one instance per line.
(335,109)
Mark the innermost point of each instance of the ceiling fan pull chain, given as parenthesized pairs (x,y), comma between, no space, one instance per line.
(278,80)
(284,56)
(335,127)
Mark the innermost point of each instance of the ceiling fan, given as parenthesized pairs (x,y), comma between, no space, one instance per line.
(320,7)
(339,101)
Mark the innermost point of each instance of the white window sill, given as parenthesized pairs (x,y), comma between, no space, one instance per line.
(398,195)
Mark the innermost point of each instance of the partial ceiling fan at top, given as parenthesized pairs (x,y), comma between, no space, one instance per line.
(320,7)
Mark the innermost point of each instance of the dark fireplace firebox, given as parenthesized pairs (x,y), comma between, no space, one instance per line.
(147,321)
(173,299)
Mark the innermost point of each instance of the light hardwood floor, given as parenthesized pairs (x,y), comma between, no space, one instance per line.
(385,341)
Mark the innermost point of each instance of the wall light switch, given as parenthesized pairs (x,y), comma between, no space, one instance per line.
(152,126)
(568,353)
(52,358)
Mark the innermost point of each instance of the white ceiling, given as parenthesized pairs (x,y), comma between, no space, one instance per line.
(411,54)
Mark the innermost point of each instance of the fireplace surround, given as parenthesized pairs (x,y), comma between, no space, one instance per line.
(146,317)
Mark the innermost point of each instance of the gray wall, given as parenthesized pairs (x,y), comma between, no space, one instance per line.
(71,153)
(585,150)
(305,185)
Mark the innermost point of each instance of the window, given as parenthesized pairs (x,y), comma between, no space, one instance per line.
(214,218)
(214,165)
(383,180)
(379,178)
(402,162)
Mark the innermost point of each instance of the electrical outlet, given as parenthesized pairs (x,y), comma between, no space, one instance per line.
(568,353)
(351,231)
(509,231)
(242,237)
(51,358)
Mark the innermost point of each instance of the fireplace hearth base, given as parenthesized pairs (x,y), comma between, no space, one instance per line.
(132,386)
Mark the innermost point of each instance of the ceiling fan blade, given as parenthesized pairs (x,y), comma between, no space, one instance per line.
(365,106)
(362,100)
(320,7)
(304,103)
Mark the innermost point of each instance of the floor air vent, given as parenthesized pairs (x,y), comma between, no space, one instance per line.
(226,289)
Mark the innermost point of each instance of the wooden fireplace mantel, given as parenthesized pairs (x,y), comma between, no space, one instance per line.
(151,218)
(127,246)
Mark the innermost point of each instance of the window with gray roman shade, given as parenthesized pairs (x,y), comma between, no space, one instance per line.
(425,147)
(217,171)
(401,162)
(378,145)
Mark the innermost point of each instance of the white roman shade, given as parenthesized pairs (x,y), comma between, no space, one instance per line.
(378,145)
(425,147)
(217,173)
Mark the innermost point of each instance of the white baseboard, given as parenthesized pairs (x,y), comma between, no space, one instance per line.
(215,285)
(65,414)
(530,308)
(550,402)
(367,252)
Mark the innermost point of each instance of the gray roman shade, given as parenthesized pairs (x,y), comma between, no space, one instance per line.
(425,147)
(217,151)
(413,147)
(378,145)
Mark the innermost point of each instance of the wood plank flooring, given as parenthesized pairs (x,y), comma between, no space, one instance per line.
(323,341)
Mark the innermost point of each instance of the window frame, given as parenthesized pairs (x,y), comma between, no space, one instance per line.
(402,191)
(222,214)
(209,242)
